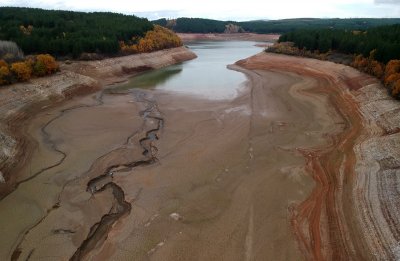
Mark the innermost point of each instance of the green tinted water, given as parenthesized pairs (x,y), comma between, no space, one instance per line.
(207,76)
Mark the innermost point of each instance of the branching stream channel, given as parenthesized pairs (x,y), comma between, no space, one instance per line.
(151,127)
(151,115)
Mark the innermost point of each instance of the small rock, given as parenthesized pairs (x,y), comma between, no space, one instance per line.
(175,216)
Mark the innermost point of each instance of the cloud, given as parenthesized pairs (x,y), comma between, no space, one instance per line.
(154,15)
(393,2)
(226,9)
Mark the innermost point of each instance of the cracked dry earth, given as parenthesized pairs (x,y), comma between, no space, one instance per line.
(274,174)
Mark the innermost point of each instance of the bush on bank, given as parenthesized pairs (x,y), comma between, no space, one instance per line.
(33,66)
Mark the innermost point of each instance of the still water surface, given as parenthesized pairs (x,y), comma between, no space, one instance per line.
(207,76)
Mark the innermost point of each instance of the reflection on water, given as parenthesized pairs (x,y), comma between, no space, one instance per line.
(152,79)
(206,76)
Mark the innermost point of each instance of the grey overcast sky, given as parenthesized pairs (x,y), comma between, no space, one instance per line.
(226,9)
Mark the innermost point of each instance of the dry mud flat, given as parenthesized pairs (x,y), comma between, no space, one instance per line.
(19,102)
(39,155)
(152,175)
(301,164)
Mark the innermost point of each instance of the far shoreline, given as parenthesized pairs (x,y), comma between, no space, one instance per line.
(187,37)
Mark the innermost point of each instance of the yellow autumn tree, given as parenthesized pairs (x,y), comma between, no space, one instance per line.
(369,65)
(157,39)
(392,68)
(392,78)
(396,88)
(5,75)
(21,70)
(145,45)
(3,63)
(376,69)
(360,63)
(49,62)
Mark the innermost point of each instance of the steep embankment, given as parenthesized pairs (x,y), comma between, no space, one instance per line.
(19,101)
(353,209)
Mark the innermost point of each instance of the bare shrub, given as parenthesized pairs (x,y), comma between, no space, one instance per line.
(10,52)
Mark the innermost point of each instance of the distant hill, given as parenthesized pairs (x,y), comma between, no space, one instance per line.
(63,33)
(199,25)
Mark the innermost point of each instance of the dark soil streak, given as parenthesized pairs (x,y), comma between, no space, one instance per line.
(53,145)
(99,231)
(47,139)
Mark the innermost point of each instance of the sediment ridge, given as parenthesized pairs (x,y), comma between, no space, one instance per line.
(352,213)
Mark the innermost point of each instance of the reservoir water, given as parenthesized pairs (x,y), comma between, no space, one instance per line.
(207,76)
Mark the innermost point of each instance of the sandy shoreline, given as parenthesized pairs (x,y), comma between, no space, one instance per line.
(298,165)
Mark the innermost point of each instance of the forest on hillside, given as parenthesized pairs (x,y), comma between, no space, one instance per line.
(63,33)
(375,51)
(384,39)
(31,39)
(199,25)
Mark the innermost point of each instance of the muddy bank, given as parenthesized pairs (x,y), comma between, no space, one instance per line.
(353,211)
(20,101)
(119,69)
(227,37)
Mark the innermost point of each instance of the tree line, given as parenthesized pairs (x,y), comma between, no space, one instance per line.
(199,25)
(67,33)
(375,51)
(384,39)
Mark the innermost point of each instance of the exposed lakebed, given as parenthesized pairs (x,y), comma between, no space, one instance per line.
(66,190)
(284,169)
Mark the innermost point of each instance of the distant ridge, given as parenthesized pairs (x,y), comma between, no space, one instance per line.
(201,25)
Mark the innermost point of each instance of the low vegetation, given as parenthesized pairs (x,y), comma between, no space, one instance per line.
(375,51)
(32,66)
